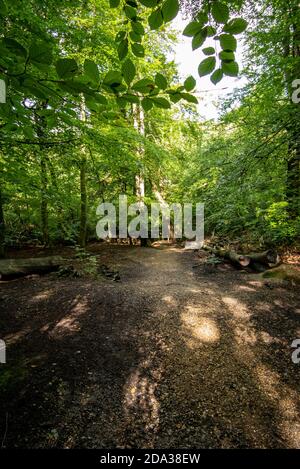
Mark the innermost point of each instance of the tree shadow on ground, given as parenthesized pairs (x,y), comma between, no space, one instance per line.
(167,358)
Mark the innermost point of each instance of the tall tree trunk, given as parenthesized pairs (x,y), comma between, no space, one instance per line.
(139,125)
(40,126)
(2,227)
(83,194)
(44,201)
(83,202)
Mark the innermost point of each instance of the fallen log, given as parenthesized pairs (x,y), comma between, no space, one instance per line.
(10,268)
(269,258)
(258,261)
(239,260)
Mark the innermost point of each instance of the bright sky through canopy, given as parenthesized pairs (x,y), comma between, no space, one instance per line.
(188,62)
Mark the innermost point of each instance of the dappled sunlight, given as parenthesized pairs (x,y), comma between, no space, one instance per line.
(236,308)
(169,300)
(245,335)
(11,339)
(246,288)
(70,323)
(203,329)
(287,403)
(141,407)
(44,295)
(268,381)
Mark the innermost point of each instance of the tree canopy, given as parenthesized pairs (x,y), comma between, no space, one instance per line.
(94,99)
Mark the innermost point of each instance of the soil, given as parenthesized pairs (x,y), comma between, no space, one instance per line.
(178,353)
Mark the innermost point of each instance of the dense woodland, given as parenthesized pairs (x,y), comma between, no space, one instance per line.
(95,107)
(138,343)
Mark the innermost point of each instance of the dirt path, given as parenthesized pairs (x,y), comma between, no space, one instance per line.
(177,354)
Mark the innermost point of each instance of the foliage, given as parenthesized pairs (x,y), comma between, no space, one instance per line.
(93,100)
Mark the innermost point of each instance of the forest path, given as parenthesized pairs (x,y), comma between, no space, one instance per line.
(180,353)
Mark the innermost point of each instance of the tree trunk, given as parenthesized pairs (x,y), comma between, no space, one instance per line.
(83,195)
(2,227)
(239,260)
(138,123)
(83,202)
(268,258)
(44,202)
(40,126)
(16,267)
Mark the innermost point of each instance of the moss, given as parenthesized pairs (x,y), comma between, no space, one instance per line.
(283,272)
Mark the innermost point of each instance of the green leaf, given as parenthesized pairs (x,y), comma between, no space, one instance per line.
(121,102)
(130,12)
(155,20)
(143,85)
(137,50)
(235,26)
(170,10)
(75,87)
(206,66)
(198,40)
(208,51)
(149,3)
(228,42)
(41,53)
(202,17)
(113,78)
(230,69)
(138,28)
(114,3)
(190,83)
(175,97)
(120,36)
(128,71)
(192,29)
(91,70)
(161,81)
(37,92)
(131,98)
(135,37)
(209,31)
(28,132)
(123,49)
(161,102)
(14,46)
(99,98)
(220,12)
(147,104)
(66,68)
(226,55)
(189,98)
(216,76)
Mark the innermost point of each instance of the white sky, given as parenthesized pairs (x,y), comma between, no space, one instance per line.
(188,61)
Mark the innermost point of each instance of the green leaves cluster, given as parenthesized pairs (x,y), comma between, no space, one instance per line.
(223,30)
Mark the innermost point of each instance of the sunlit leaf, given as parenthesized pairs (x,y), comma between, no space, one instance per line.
(190,83)
(235,26)
(206,66)
(170,10)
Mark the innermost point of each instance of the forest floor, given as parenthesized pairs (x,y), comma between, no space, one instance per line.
(179,353)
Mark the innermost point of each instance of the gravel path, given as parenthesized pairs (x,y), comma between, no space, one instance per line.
(178,354)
